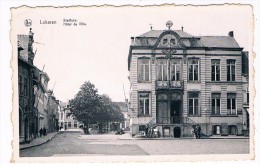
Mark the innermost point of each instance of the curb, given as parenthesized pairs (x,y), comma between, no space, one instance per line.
(178,138)
(40,143)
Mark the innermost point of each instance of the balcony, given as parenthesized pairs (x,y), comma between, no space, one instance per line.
(169,85)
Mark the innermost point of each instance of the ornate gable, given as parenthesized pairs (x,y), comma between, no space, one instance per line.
(169,39)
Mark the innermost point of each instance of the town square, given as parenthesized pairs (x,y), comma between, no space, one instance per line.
(136,84)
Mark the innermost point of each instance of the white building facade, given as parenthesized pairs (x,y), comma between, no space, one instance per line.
(178,80)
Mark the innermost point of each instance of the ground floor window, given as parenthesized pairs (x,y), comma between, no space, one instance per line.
(215,103)
(232,130)
(69,124)
(144,104)
(216,130)
(193,103)
(75,125)
(141,127)
(231,104)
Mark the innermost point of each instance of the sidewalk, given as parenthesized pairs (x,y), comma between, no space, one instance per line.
(38,141)
(128,136)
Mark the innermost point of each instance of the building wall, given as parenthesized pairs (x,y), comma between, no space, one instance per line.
(204,86)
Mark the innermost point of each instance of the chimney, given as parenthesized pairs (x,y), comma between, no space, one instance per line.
(231,34)
(132,40)
(182,28)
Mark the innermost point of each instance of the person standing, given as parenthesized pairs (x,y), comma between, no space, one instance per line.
(44,131)
(40,132)
(199,131)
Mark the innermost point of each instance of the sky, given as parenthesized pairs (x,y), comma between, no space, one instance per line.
(98,51)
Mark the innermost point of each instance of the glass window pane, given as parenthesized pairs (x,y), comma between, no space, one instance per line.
(196,106)
(146,106)
(141,106)
(146,72)
(165,72)
(190,72)
(213,106)
(228,104)
(213,73)
(159,72)
(196,73)
(233,103)
(140,72)
(190,106)
(228,73)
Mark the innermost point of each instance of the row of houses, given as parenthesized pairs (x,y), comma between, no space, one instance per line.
(178,80)
(38,107)
(69,122)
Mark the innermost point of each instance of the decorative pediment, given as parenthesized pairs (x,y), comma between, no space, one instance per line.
(169,39)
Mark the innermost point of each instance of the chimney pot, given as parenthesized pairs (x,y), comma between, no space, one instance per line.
(231,34)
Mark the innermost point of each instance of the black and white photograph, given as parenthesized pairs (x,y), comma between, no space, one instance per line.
(155,83)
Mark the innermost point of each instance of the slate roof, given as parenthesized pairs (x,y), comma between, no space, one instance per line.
(63,104)
(157,33)
(204,41)
(219,41)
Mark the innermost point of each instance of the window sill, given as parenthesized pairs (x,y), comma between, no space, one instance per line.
(143,116)
(144,82)
(224,115)
(194,116)
(193,82)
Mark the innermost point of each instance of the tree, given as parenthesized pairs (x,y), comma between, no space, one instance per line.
(85,104)
(89,107)
(108,112)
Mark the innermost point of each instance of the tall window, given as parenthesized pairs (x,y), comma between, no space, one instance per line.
(193,69)
(215,103)
(161,70)
(144,103)
(75,125)
(193,103)
(143,70)
(175,70)
(231,70)
(215,70)
(231,104)
(69,124)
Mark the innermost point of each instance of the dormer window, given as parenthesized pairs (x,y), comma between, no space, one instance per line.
(172,41)
(165,41)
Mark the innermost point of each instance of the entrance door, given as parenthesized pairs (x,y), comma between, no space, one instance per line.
(175,111)
(177,132)
(162,112)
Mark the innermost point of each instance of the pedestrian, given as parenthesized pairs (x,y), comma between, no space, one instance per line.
(199,131)
(57,128)
(44,131)
(196,131)
(146,131)
(40,131)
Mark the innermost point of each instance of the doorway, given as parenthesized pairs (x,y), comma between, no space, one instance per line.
(175,111)
(177,132)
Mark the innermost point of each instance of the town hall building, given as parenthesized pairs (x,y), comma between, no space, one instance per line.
(178,80)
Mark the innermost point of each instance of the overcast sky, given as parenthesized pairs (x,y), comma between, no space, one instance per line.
(98,51)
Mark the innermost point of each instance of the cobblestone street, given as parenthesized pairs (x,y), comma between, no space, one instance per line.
(74,144)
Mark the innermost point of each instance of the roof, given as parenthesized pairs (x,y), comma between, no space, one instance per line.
(157,33)
(206,41)
(23,41)
(63,104)
(219,41)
